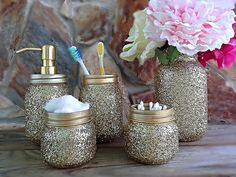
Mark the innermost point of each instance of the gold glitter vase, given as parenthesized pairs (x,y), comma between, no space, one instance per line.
(105,99)
(151,137)
(41,90)
(183,85)
(69,139)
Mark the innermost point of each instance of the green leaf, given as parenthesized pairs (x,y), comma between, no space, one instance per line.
(173,53)
(161,56)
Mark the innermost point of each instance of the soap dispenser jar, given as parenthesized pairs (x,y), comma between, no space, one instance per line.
(43,87)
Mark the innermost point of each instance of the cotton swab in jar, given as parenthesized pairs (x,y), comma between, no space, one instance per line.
(151,106)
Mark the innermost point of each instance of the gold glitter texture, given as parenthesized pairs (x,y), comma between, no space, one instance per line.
(151,142)
(35,100)
(105,101)
(183,85)
(67,147)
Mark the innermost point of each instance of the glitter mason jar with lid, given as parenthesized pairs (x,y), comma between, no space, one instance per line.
(42,88)
(151,137)
(69,139)
(105,99)
(182,84)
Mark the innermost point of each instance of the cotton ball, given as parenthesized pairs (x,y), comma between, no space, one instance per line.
(141,103)
(150,105)
(84,107)
(143,108)
(64,110)
(164,107)
(156,106)
(52,105)
(66,104)
(139,107)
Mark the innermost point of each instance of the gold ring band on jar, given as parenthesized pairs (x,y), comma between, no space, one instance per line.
(150,117)
(68,119)
(47,78)
(99,79)
(151,137)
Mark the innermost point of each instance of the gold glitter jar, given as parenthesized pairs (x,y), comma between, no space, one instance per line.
(105,99)
(183,85)
(151,137)
(42,89)
(69,139)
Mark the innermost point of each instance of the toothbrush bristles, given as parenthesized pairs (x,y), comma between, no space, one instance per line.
(77,56)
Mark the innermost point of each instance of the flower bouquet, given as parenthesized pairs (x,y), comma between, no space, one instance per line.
(167,28)
(178,33)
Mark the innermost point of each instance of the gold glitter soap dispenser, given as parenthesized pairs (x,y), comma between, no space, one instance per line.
(69,139)
(43,87)
(151,137)
(104,96)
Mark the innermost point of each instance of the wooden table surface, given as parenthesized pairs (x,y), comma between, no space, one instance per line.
(214,155)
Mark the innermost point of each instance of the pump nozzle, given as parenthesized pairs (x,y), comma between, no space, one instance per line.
(27,49)
(48,58)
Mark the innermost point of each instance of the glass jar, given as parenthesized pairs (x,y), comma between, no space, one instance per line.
(151,137)
(42,89)
(69,139)
(105,99)
(183,85)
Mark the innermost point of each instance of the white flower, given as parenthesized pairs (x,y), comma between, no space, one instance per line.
(139,46)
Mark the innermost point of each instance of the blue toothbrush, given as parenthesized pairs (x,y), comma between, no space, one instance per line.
(76,55)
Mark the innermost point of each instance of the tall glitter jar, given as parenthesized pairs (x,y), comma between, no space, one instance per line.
(151,137)
(69,139)
(105,99)
(42,89)
(183,85)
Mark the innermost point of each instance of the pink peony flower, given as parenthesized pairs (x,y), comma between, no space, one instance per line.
(225,4)
(191,26)
(225,56)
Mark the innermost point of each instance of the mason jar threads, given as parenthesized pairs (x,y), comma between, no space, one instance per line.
(105,99)
(69,139)
(151,137)
(42,88)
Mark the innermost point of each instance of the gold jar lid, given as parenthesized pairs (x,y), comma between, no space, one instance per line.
(48,78)
(99,79)
(150,117)
(67,119)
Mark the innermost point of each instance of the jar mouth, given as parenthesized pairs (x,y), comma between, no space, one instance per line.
(151,117)
(68,119)
(47,78)
(99,79)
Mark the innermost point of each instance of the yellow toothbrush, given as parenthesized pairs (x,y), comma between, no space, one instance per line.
(100,50)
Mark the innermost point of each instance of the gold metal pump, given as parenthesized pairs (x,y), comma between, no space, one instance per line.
(48,58)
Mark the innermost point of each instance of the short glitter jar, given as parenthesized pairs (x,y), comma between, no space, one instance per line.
(183,85)
(41,90)
(151,137)
(105,99)
(69,139)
